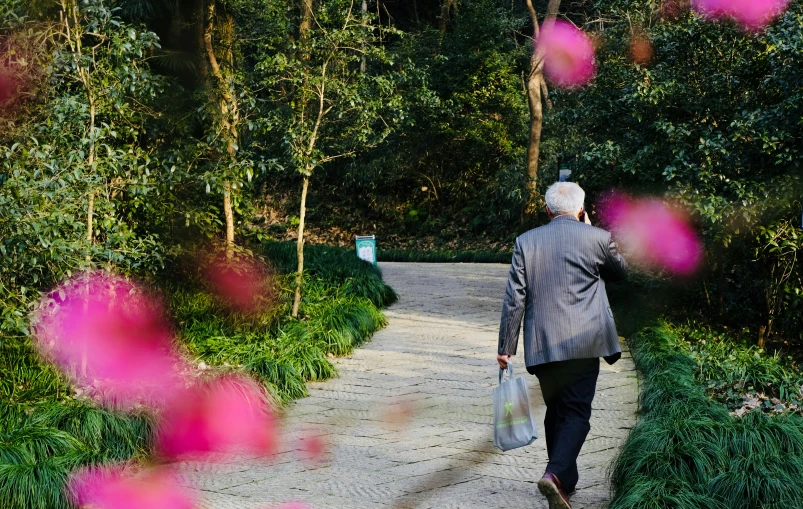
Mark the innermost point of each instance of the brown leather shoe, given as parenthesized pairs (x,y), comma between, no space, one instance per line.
(551,487)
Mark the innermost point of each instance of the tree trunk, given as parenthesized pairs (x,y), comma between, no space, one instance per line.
(536,104)
(537,93)
(300,248)
(229,213)
(228,110)
(90,216)
(306,19)
(446,8)
(720,282)
(363,63)
(764,333)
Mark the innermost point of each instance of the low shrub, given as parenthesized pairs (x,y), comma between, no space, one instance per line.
(340,309)
(740,374)
(47,430)
(688,451)
(399,255)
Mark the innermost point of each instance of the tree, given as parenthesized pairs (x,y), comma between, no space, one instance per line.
(324,106)
(715,131)
(223,95)
(77,174)
(537,95)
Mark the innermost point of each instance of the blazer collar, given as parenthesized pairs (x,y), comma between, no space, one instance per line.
(564,217)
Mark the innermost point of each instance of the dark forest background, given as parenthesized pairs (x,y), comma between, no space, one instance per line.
(134,131)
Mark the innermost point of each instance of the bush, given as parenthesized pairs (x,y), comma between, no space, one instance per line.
(340,309)
(399,255)
(46,430)
(687,451)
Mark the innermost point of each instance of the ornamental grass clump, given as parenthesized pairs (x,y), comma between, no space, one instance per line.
(339,311)
(51,429)
(688,451)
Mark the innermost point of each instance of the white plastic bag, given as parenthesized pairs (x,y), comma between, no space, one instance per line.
(514,425)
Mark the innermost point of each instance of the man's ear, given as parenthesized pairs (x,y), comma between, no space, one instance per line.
(548,212)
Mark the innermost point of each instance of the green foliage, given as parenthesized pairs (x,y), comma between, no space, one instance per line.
(323,105)
(340,310)
(712,121)
(399,255)
(687,451)
(735,371)
(336,267)
(80,145)
(46,431)
(459,157)
(778,248)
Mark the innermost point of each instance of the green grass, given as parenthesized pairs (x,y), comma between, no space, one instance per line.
(732,367)
(688,451)
(340,309)
(46,431)
(399,255)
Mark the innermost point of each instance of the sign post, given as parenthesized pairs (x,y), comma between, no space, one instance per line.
(366,248)
(564,174)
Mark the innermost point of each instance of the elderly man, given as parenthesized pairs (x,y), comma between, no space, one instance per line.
(557,283)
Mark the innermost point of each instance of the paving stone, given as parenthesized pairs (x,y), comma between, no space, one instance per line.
(407,424)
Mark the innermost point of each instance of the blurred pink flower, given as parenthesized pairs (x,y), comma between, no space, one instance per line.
(110,335)
(652,233)
(242,283)
(752,15)
(568,54)
(8,89)
(313,447)
(713,9)
(230,414)
(114,489)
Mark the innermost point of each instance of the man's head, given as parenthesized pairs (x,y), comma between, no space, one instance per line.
(564,198)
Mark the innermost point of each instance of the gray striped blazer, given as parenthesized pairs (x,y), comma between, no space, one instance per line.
(557,283)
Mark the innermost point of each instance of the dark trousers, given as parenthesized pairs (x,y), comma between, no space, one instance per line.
(568,389)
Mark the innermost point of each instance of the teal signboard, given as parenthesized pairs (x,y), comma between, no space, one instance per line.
(366,248)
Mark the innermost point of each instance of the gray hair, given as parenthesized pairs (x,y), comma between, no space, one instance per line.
(565,198)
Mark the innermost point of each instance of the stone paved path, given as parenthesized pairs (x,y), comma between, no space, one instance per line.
(408,422)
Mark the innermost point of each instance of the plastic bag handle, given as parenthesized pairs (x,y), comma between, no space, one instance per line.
(509,371)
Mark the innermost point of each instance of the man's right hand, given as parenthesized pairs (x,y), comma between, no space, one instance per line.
(502,360)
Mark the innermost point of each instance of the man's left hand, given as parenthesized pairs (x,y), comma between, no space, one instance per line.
(502,360)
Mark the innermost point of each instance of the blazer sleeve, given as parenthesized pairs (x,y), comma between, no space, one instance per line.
(513,307)
(614,266)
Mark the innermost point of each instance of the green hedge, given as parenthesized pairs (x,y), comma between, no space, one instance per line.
(46,431)
(399,255)
(688,451)
(340,309)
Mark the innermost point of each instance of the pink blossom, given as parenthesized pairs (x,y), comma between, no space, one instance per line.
(242,283)
(752,15)
(114,489)
(8,89)
(230,414)
(568,54)
(652,233)
(313,447)
(713,9)
(110,336)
